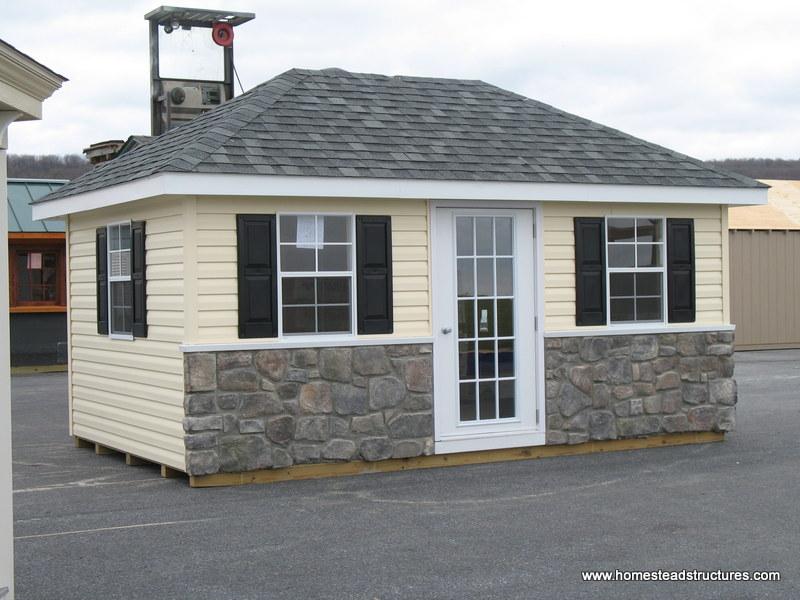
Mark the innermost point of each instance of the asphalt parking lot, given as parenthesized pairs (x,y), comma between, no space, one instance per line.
(90,527)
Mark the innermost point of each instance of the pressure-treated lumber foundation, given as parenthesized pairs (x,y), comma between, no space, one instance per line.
(318,471)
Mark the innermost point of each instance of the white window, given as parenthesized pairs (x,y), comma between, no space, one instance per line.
(120,287)
(636,275)
(315,266)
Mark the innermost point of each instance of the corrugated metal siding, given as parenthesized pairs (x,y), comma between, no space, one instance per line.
(216,259)
(765,287)
(129,395)
(559,255)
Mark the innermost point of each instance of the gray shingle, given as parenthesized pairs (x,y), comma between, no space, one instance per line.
(334,123)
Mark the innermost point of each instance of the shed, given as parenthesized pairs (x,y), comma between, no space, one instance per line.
(765,283)
(37,278)
(340,272)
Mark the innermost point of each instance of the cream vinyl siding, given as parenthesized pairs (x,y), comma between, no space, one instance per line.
(128,395)
(711,256)
(215,250)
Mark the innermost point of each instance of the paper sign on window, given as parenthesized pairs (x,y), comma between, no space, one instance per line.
(34,260)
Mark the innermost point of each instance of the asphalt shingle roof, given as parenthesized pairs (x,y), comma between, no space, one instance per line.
(334,123)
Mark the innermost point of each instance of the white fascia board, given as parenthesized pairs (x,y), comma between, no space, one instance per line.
(202,184)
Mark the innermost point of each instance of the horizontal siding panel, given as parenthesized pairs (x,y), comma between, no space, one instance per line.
(218,302)
(169,271)
(175,459)
(164,302)
(410,269)
(165,287)
(100,369)
(163,256)
(409,223)
(130,359)
(207,271)
(560,253)
(217,286)
(558,266)
(171,443)
(163,333)
(410,298)
(553,294)
(143,391)
(173,239)
(411,329)
(105,344)
(219,318)
(409,238)
(168,422)
(410,313)
(213,221)
(216,254)
(410,253)
(564,308)
(165,318)
(216,237)
(410,284)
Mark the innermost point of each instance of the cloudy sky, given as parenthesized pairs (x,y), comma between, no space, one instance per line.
(710,78)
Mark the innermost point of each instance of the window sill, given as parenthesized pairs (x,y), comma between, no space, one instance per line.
(657,328)
(121,336)
(305,342)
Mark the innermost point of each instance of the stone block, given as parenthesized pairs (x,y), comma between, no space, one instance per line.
(202,462)
(385,392)
(418,374)
(622,409)
(579,422)
(369,425)
(555,437)
(572,400)
(370,360)
(726,419)
(702,418)
(414,425)
(311,428)
(675,423)
(555,421)
(644,347)
(668,381)
(349,400)
(315,398)
(582,377)
(575,437)
(691,344)
(238,380)
(621,392)
(336,364)
(720,350)
(258,405)
(339,449)
(272,363)
(695,393)
(601,396)
(643,389)
(280,429)
(600,371)
(397,350)
(206,423)
(602,425)
(233,360)
(619,370)
(304,358)
(636,407)
(671,401)
(417,402)
(635,426)
(227,401)
(306,453)
(552,388)
(407,449)
(251,426)
(199,404)
(652,405)
(725,365)
(379,448)
(288,391)
(297,375)
(723,391)
(244,453)
(200,372)
(204,440)
(593,349)
(281,458)
(663,364)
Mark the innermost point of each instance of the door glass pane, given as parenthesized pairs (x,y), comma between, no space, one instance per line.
(505,358)
(503,239)
(505,277)
(467,401)
(506,398)
(487,279)
(505,318)
(488,409)
(485,267)
(484,236)
(466,318)
(486,360)
(465,277)
(464,234)
(466,360)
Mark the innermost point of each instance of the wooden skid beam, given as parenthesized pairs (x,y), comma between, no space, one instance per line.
(100,449)
(170,473)
(318,471)
(81,443)
(134,461)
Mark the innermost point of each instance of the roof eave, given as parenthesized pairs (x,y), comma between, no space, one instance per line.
(228,185)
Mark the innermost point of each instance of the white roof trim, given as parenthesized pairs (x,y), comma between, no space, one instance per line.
(200,184)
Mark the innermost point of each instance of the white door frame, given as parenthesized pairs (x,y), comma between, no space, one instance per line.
(442,317)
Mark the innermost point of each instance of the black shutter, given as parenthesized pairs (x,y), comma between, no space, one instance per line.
(680,271)
(258,281)
(374,274)
(139,279)
(101,261)
(590,271)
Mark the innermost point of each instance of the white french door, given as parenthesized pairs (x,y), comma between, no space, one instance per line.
(484,330)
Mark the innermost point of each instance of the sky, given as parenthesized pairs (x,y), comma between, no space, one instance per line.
(709,78)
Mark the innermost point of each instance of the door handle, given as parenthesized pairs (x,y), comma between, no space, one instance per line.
(446,330)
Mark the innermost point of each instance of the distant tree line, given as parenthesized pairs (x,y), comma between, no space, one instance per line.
(47,166)
(69,166)
(760,168)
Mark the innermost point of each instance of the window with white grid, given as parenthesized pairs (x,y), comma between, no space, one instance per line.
(120,286)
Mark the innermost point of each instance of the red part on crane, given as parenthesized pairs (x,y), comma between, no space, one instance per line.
(222,34)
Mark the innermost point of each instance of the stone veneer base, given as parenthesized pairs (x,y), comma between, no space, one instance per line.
(319,471)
